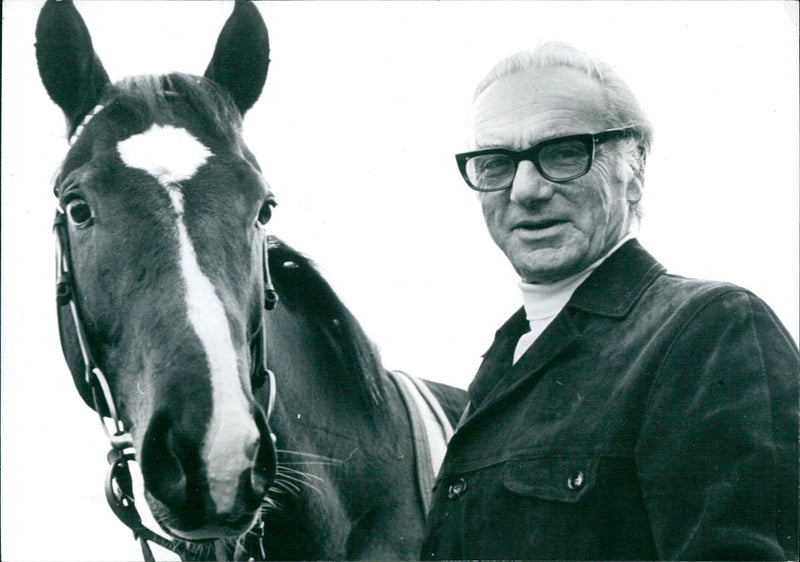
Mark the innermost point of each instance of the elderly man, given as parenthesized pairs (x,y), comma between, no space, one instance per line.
(623,412)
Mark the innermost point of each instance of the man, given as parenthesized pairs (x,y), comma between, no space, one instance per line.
(623,412)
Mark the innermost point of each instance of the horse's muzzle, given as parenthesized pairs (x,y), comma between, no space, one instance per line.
(196,499)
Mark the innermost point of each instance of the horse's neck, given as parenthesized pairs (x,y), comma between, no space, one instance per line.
(357,482)
(357,496)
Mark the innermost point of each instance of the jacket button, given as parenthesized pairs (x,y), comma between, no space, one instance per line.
(575,480)
(457,489)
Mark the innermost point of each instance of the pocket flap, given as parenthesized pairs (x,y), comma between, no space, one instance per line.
(562,479)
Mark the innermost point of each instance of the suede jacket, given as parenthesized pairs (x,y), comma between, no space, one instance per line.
(655,418)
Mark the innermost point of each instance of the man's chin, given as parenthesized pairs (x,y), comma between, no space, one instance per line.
(546,265)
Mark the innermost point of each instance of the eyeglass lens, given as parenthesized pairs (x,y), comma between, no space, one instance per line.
(491,171)
(564,159)
(560,159)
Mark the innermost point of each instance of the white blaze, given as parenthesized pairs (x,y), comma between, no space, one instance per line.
(172,155)
(167,153)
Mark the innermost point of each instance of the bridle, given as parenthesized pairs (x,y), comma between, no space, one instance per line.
(119,483)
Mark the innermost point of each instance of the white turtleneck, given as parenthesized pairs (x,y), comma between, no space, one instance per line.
(543,302)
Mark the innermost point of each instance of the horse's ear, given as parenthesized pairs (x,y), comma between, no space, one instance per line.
(241,57)
(70,69)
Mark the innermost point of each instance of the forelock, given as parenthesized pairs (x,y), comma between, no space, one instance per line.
(153,100)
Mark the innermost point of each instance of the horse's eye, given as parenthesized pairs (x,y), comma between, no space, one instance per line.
(79,212)
(266,211)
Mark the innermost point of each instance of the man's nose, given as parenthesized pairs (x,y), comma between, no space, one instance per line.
(529,186)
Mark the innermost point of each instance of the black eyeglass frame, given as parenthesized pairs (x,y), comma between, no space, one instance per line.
(589,140)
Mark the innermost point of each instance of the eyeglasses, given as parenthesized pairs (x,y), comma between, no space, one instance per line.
(559,160)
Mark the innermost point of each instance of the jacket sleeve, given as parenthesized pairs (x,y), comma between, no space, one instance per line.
(717,455)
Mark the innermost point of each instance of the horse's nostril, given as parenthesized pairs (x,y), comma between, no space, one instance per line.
(251,451)
(167,464)
(196,487)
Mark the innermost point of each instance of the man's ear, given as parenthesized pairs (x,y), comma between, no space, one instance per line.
(635,188)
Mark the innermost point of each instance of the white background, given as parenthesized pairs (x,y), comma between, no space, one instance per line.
(363,109)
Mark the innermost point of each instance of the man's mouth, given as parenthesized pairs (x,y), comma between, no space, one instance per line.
(540,224)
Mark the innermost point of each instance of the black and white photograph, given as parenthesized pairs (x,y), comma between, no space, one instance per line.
(400,280)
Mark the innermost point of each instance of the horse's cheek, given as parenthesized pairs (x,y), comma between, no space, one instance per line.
(132,385)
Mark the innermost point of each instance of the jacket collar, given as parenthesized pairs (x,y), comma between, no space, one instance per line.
(611,290)
(615,286)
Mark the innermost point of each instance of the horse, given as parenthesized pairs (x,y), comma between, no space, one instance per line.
(217,357)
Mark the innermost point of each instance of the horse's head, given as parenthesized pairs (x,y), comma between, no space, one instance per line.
(162,210)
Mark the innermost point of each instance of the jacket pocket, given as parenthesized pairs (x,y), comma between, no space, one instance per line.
(559,479)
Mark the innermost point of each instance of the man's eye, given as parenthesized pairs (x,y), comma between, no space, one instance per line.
(568,152)
(494,164)
(563,151)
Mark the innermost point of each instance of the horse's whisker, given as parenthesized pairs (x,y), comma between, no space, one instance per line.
(284,469)
(290,478)
(286,486)
(311,455)
(317,463)
(270,504)
(317,490)
(309,485)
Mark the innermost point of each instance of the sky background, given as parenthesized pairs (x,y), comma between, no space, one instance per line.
(364,107)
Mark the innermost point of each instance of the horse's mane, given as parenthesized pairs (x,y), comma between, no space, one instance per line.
(302,288)
(151,99)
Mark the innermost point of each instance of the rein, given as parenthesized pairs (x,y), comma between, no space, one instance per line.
(119,483)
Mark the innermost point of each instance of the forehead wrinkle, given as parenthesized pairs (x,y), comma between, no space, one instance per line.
(525,108)
(526,137)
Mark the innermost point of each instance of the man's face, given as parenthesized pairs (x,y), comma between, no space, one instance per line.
(549,230)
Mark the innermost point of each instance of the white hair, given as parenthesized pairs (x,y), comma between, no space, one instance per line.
(622,109)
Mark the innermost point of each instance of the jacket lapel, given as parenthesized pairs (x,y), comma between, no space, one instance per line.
(616,286)
(497,360)
(497,378)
